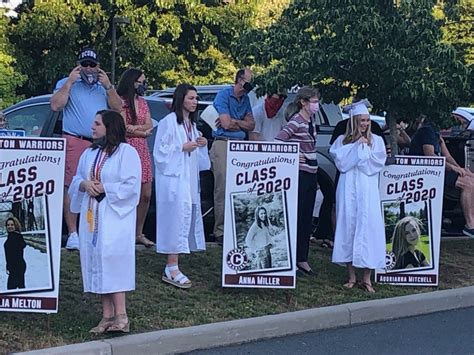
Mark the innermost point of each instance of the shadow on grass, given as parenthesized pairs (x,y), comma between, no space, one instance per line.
(155,305)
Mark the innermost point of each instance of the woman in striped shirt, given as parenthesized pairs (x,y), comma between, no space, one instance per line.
(301,129)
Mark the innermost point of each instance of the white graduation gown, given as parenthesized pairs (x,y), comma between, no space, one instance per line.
(178,229)
(360,233)
(109,266)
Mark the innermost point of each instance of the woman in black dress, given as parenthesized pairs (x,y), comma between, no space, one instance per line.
(14,246)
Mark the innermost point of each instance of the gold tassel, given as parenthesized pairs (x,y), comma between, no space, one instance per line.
(90,220)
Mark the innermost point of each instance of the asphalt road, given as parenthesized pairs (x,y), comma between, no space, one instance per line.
(450,332)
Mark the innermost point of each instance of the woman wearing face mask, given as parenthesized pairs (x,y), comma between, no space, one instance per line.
(105,191)
(406,236)
(137,117)
(359,240)
(301,129)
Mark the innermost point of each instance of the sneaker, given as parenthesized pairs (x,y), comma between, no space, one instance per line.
(73,241)
(468,231)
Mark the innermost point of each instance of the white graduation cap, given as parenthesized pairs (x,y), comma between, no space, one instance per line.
(358,108)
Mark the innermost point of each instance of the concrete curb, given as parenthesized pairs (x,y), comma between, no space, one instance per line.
(245,330)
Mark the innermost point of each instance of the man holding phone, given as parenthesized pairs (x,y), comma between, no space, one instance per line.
(85,91)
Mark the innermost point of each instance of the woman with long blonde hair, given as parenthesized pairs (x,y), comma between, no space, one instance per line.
(359,240)
(406,236)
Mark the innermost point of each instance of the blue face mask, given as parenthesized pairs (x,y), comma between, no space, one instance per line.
(89,78)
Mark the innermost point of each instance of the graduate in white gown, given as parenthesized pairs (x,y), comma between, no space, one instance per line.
(360,235)
(106,191)
(179,226)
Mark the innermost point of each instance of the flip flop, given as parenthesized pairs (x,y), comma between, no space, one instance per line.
(367,287)
(349,284)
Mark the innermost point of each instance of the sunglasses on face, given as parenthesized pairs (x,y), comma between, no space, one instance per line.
(88,64)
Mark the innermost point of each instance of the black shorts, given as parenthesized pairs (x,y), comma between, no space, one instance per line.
(450,178)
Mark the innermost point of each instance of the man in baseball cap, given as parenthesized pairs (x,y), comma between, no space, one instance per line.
(85,91)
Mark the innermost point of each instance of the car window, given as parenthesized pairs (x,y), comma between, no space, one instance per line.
(31,119)
(158,109)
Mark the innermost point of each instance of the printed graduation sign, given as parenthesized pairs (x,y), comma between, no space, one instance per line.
(31,190)
(411,193)
(260,215)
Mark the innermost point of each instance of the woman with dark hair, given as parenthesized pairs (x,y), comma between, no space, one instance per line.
(258,240)
(106,191)
(14,247)
(405,239)
(137,117)
(301,129)
(359,156)
(179,227)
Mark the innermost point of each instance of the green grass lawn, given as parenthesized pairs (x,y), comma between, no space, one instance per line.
(155,305)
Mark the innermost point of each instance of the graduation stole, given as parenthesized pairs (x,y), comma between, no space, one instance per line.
(93,218)
(188,129)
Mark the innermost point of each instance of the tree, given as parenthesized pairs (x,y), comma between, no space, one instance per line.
(390,53)
(172,41)
(47,37)
(10,78)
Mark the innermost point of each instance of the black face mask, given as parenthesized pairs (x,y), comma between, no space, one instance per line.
(89,79)
(248,86)
(141,89)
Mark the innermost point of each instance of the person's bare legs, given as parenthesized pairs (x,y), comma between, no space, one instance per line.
(142,210)
(366,283)
(118,299)
(173,260)
(69,217)
(121,322)
(108,310)
(143,205)
(351,272)
(108,314)
(466,185)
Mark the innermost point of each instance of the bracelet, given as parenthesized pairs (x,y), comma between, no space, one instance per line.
(110,87)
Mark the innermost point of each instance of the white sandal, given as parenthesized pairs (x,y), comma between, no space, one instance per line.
(180,280)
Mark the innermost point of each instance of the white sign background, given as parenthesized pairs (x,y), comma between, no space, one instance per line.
(260,176)
(31,186)
(412,187)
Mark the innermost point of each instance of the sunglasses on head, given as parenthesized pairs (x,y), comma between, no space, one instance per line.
(88,64)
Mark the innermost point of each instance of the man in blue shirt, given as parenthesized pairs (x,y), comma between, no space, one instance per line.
(85,91)
(234,122)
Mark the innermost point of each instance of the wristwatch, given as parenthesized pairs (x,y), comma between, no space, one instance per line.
(109,87)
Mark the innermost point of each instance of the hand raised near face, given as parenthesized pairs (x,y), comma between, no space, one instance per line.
(103,78)
(75,74)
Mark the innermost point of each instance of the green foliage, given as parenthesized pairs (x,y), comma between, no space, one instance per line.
(10,78)
(172,41)
(391,54)
(459,28)
(48,36)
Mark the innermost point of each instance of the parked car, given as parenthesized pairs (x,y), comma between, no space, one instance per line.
(35,116)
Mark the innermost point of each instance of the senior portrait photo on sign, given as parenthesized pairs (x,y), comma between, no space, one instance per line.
(260,228)
(408,236)
(25,263)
